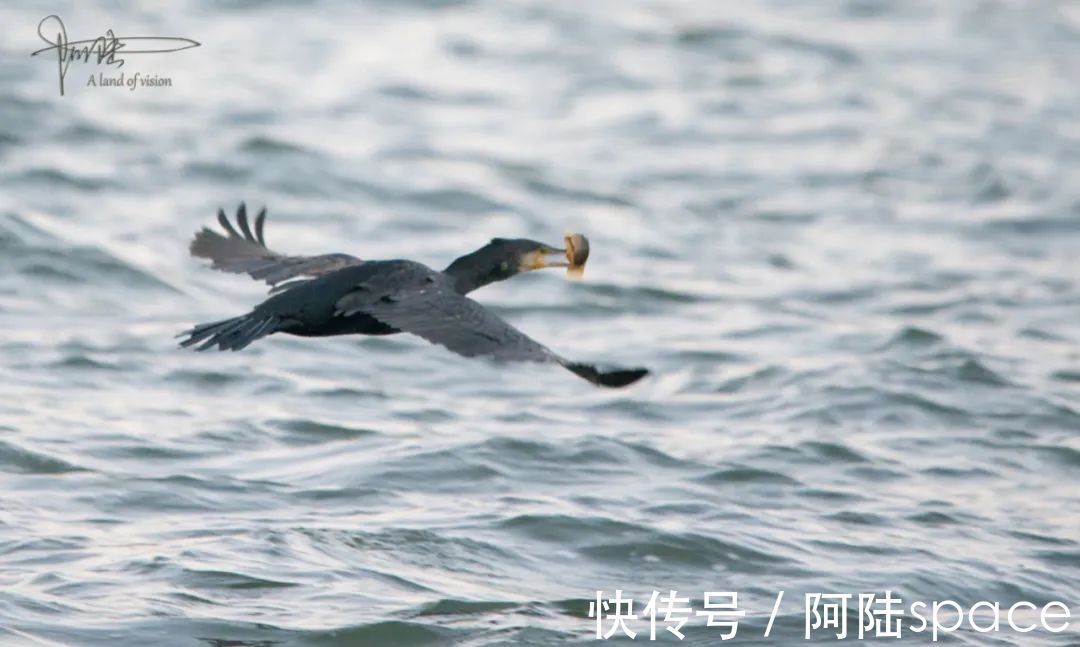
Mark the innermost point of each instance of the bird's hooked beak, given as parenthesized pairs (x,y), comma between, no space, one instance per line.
(543,258)
(572,257)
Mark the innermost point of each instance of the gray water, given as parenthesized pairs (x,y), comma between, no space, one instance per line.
(843,234)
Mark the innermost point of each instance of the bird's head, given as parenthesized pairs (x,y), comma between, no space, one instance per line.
(505,257)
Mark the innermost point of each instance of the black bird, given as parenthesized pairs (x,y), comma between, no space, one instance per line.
(339,294)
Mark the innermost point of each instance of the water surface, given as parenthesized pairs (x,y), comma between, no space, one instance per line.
(843,234)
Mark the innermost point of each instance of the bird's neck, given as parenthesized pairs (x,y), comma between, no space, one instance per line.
(468,273)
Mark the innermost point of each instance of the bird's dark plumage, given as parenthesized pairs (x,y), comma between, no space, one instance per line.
(337,294)
(247,253)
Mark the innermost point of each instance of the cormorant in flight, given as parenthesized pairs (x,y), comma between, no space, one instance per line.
(339,294)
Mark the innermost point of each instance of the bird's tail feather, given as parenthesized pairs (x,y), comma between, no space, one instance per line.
(614,379)
(231,334)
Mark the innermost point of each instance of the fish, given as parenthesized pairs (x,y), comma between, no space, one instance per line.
(577,253)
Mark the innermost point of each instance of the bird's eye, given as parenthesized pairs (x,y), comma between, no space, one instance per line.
(505,266)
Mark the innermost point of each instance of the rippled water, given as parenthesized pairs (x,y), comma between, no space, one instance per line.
(843,234)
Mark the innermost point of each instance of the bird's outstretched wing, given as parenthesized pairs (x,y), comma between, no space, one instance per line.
(422,302)
(245,252)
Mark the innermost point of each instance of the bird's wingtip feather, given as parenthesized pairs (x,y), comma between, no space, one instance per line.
(612,379)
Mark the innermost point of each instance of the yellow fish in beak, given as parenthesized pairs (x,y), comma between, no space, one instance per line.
(577,253)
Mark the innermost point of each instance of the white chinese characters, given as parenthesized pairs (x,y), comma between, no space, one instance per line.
(668,610)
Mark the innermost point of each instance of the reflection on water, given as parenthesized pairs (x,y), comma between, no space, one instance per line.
(841,233)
